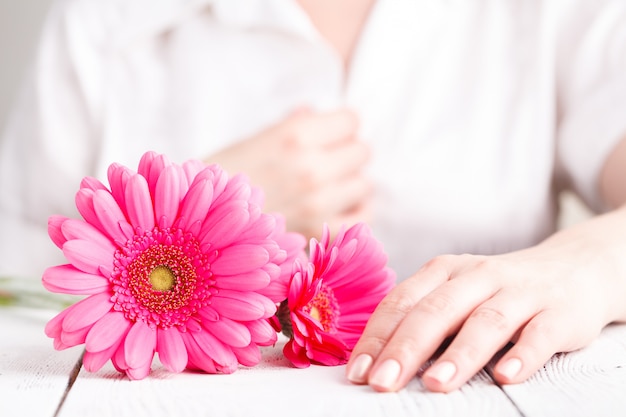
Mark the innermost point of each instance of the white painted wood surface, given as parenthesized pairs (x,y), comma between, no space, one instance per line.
(34,382)
(587,383)
(33,376)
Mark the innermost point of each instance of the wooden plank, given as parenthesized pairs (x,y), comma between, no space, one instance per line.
(479,397)
(33,376)
(33,379)
(588,382)
(269,388)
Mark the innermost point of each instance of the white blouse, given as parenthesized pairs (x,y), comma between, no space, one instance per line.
(478,112)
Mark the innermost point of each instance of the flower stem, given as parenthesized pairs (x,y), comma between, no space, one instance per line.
(284,318)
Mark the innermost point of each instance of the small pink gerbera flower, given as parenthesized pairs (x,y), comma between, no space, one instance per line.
(332,296)
(175,259)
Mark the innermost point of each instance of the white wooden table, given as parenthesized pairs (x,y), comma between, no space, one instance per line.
(36,380)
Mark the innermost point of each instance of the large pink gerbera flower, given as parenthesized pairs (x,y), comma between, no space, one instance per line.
(332,296)
(175,259)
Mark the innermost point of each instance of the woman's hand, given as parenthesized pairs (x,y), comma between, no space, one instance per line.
(554,297)
(310,167)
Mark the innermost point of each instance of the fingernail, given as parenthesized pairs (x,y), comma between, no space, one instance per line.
(442,372)
(510,368)
(386,375)
(360,368)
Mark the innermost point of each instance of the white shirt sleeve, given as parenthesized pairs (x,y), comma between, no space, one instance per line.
(592,82)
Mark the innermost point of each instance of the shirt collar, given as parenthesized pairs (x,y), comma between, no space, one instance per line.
(280,15)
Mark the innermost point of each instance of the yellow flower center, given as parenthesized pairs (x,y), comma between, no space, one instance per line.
(315,313)
(324,308)
(162,278)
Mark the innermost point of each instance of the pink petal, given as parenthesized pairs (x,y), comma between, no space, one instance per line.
(224,228)
(355,321)
(139,203)
(151,166)
(248,281)
(193,325)
(66,279)
(221,354)
(87,255)
(202,174)
(54,230)
(239,259)
(118,176)
(331,351)
(249,355)
(321,357)
(196,204)
(86,312)
(275,271)
(139,345)
(119,359)
(325,240)
(91,183)
(296,286)
(263,226)
(229,331)
(238,188)
(79,229)
(55,326)
(268,305)
(94,361)
(74,338)
(304,325)
(208,313)
(381,284)
(275,291)
(58,345)
(261,332)
(172,350)
(257,196)
(276,254)
(107,331)
(220,179)
(140,372)
(293,243)
(369,261)
(192,228)
(167,196)
(84,204)
(197,357)
(110,215)
(145,162)
(192,168)
(239,306)
(350,338)
(296,355)
(217,213)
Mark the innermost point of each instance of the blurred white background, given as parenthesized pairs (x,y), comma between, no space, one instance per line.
(20,25)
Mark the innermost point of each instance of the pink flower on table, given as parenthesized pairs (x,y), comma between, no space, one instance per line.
(332,296)
(177,260)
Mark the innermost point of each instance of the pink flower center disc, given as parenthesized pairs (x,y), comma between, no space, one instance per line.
(161,277)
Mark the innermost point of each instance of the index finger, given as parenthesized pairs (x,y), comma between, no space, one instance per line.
(386,318)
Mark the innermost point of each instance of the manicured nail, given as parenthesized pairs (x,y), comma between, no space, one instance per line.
(386,375)
(510,368)
(442,372)
(360,368)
